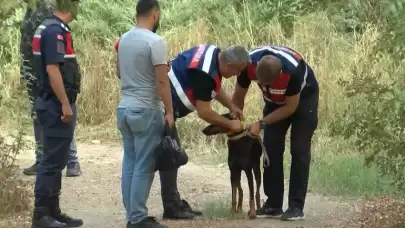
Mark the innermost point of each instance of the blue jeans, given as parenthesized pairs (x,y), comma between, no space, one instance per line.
(141,130)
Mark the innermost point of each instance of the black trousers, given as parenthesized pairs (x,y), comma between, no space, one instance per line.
(303,124)
(168,183)
(57,137)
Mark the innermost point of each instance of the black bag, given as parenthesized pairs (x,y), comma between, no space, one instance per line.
(169,154)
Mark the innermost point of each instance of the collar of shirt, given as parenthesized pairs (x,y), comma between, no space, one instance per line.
(217,60)
(64,25)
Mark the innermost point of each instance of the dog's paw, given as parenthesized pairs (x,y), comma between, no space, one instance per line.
(252,214)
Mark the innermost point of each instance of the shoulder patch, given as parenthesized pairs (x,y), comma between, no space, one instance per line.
(59,37)
(60,47)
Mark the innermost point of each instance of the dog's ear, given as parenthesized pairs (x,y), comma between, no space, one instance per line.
(228,116)
(215,129)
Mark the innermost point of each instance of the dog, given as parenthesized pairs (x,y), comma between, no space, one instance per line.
(244,153)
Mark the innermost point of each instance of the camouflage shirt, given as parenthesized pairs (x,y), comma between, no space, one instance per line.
(32,20)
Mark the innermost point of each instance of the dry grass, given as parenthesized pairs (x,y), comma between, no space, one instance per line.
(380,213)
(98,66)
(100,87)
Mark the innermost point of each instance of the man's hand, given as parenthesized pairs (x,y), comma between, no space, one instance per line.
(205,112)
(237,113)
(226,102)
(169,119)
(236,126)
(67,114)
(254,128)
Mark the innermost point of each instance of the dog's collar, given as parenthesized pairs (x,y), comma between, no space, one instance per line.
(236,136)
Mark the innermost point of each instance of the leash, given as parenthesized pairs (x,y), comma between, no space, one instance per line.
(266,159)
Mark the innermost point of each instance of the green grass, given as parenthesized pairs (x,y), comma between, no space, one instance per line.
(347,176)
(220,209)
(337,167)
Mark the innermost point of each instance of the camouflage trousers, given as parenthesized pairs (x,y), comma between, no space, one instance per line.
(32,91)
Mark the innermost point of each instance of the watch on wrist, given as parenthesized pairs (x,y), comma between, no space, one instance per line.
(262,124)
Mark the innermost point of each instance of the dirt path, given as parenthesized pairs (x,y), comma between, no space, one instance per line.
(96,198)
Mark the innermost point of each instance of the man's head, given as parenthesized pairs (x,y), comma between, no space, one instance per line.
(148,13)
(66,9)
(268,69)
(233,60)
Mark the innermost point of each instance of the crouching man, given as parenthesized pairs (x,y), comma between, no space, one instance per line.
(290,92)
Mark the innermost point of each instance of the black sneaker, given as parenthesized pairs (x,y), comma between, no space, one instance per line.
(149,222)
(293,214)
(47,222)
(73,169)
(57,214)
(32,170)
(41,218)
(268,212)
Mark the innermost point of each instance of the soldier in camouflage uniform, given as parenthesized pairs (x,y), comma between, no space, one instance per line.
(32,20)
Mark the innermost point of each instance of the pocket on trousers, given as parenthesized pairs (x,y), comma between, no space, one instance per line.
(49,115)
(139,120)
(308,110)
(46,111)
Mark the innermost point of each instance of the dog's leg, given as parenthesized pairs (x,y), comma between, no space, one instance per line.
(258,177)
(234,187)
(240,200)
(252,209)
(236,182)
(233,206)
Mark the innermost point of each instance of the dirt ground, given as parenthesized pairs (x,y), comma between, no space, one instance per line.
(96,195)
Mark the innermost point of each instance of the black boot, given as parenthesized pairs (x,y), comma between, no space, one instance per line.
(177,214)
(32,170)
(186,207)
(176,211)
(56,213)
(41,217)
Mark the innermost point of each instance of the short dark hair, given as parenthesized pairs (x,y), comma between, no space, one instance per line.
(62,4)
(268,68)
(143,7)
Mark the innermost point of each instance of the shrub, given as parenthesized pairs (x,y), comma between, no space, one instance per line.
(14,192)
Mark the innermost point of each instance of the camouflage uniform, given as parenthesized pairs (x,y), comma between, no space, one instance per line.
(31,21)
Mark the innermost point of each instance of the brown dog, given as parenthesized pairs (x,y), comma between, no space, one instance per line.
(244,153)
